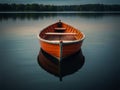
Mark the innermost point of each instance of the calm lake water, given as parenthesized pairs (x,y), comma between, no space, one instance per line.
(95,67)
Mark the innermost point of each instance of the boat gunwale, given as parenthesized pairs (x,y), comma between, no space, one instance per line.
(63,41)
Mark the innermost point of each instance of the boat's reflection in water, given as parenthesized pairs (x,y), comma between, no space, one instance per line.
(66,67)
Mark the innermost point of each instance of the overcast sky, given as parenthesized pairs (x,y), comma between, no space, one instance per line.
(63,2)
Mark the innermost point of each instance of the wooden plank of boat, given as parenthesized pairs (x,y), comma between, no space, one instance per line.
(62,43)
(51,33)
(60,28)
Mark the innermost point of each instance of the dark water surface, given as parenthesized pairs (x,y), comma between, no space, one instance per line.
(23,66)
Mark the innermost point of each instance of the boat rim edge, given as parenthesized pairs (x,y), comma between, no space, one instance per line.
(65,42)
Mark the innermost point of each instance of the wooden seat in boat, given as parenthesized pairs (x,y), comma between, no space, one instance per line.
(59,29)
(52,33)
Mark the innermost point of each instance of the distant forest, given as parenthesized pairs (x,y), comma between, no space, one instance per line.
(41,7)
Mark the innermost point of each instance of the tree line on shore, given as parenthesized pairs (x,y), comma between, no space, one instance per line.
(41,7)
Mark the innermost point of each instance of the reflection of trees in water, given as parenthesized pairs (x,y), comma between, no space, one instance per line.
(28,16)
(36,16)
(88,14)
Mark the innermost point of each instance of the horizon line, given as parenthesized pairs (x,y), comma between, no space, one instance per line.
(64,4)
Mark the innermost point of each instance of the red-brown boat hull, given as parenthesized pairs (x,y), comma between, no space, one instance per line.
(54,49)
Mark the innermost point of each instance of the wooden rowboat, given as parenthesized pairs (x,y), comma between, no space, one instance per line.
(61,40)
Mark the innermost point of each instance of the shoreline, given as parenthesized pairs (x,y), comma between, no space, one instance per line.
(117,12)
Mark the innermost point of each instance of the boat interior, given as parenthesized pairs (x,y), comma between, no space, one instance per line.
(61,31)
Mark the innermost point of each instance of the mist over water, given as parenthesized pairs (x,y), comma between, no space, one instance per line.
(19,50)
